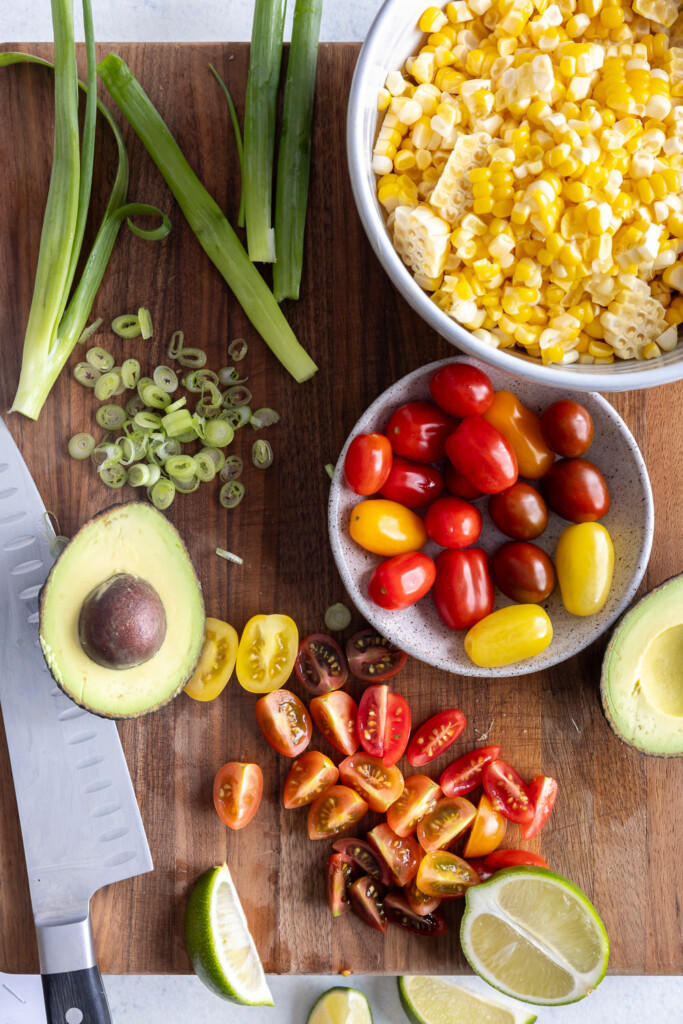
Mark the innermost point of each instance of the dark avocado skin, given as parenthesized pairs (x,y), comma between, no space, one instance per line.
(41,604)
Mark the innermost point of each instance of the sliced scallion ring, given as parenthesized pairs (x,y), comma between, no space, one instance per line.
(231,494)
(194,381)
(89,331)
(86,374)
(232,469)
(205,467)
(162,493)
(261,454)
(218,433)
(229,556)
(175,345)
(264,418)
(190,435)
(143,383)
(155,396)
(166,379)
(180,467)
(192,357)
(211,396)
(139,475)
(229,375)
(163,450)
(130,373)
(329,469)
(216,455)
(113,476)
(135,404)
(236,396)
(187,486)
(337,618)
(147,420)
(176,423)
(107,385)
(126,326)
(237,349)
(174,406)
(81,446)
(145,321)
(100,358)
(121,387)
(110,417)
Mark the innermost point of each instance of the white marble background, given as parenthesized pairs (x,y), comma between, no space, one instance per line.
(167,1000)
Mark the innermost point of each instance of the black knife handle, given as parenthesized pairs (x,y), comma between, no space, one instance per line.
(76,997)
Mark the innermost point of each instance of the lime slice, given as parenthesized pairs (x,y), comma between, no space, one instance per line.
(533,935)
(433,1001)
(341,1006)
(219,942)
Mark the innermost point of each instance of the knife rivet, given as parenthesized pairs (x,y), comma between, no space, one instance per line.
(73,1015)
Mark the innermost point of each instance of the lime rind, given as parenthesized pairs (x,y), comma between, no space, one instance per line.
(463,1004)
(340,1005)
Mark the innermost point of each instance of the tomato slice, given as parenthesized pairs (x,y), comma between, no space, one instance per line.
(445,822)
(383,723)
(320,665)
(401,853)
(400,912)
(368,859)
(435,736)
(419,796)
(443,874)
(339,875)
(335,811)
(379,784)
(464,775)
(310,775)
(488,830)
(335,716)
(267,652)
(285,722)
(511,858)
(237,791)
(542,793)
(216,663)
(373,658)
(418,901)
(367,900)
(507,792)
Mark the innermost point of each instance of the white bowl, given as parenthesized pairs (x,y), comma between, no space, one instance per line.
(419,630)
(393,36)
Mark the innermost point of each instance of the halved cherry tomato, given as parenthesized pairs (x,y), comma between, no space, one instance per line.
(237,791)
(383,723)
(512,858)
(507,791)
(413,484)
(459,485)
(367,900)
(386,528)
(577,491)
(522,428)
(401,853)
(453,523)
(542,793)
(402,580)
(519,511)
(443,874)
(285,722)
(310,775)
(523,571)
(463,589)
(419,796)
(461,389)
(267,652)
(478,863)
(488,830)
(338,878)
(482,455)
(335,716)
(216,663)
(443,824)
(509,634)
(368,859)
(464,775)
(320,665)
(567,428)
(418,901)
(401,913)
(368,463)
(335,811)
(435,736)
(419,430)
(372,658)
(379,784)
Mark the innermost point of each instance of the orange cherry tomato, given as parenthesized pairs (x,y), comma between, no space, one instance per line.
(445,822)
(237,791)
(335,716)
(488,831)
(443,874)
(378,784)
(401,853)
(285,722)
(310,775)
(419,796)
(386,528)
(419,902)
(335,811)
(522,428)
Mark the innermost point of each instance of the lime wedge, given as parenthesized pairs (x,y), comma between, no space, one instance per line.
(533,935)
(341,1006)
(433,1001)
(219,942)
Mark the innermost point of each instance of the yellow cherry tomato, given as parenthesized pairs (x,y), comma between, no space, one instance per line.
(508,635)
(386,528)
(267,651)
(216,663)
(522,428)
(488,830)
(585,562)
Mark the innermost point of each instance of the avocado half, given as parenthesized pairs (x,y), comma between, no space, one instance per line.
(133,543)
(641,685)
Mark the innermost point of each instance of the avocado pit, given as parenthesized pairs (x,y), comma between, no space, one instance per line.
(122,622)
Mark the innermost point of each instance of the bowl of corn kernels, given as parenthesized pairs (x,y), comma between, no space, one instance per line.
(518,168)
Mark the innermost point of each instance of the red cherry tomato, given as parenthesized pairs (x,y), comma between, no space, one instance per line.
(285,722)
(338,878)
(369,861)
(383,723)
(453,523)
(511,858)
(367,900)
(401,853)
(567,428)
(543,792)
(419,430)
(413,484)
(372,658)
(464,775)
(576,490)
(463,589)
(401,911)
(461,389)
(481,453)
(320,665)
(368,463)
(310,775)
(435,736)
(419,902)
(458,485)
(402,580)
(237,791)
(519,511)
(507,792)
(335,716)
(523,572)
(335,811)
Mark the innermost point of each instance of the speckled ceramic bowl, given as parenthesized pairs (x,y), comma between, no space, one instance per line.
(630,521)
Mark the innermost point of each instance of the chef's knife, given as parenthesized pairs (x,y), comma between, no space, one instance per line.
(79,818)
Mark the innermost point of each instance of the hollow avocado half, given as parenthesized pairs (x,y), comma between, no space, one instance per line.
(122,620)
(642,673)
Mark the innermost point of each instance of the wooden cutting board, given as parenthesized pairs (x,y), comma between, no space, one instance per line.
(618,819)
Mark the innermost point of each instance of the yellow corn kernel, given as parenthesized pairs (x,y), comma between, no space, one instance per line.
(423,159)
(383,99)
(483,204)
(599,349)
(651,350)
(404,160)
(552,354)
(432,20)
(448,80)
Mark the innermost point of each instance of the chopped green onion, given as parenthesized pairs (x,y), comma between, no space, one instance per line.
(132,449)
(140,475)
(187,486)
(205,467)
(174,406)
(89,331)
(207,412)
(178,422)
(166,379)
(147,420)
(145,321)
(264,418)
(126,326)
(110,417)
(237,417)
(237,349)
(191,435)
(329,469)
(165,449)
(231,494)
(175,345)
(192,357)
(229,557)
(337,618)
(211,396)
(130,373)
(261,454)
(135,404)
(194,381)
(81,446)
(229,375)
(100,359)
(143,383)
(180,467)
(236,396)
(232,470)
(122,387)
(218,433)
(107,385)
(155,396)
(113,476)
(238,140)
(86,374)
(162,493)
(216,455)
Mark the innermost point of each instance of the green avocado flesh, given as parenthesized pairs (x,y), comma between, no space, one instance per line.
(642,674)
(137,540)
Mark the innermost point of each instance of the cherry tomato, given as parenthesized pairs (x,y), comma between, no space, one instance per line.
(508,792)
(519,511)
(453,523)
(372,658)
(585,564)
(267,651)
(383,723)
(285,722)
(419,796)
(320,665)
(401,853)
(458,485)
(482,455)
(542,793)
(418,901)
(488,830)
(522,428)
(386,528)
(567,428)
(310,775)
(478,863)
(335,716)
(435,736)
(368,859)
(367,900)
(413,484)
(216,663)
(464,775)
(379,784)
(463,589)
(443,874)
(510,634)
(461,389)
(368,463)
(336,810)
(577,491)
(419,430)
(338,878)
(237,791)
(401,913)
(445,822)
(402,580)
(523,572)
(512,858)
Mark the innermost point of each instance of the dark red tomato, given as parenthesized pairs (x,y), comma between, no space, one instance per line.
(458,485)
(461,389)
(338,878)
(453,523)
(482,455)
(383,723)
(367,900)
(320,665)
(576,490)
(479,865)
(567,428)
(435,736)
(237,791)
(512,858)
(523,572)
(373,658)
(368,463)
(419,430)
(335,716)
(413,484)
(519,511)
(418,901)
(285,722)
(463,589)
(401,913)
(402,580)
(543,792)
(464,775)
(368,859)
(507,791)
(401,853)
(310,775)
(336,810)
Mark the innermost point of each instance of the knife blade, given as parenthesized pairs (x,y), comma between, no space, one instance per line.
(80,822)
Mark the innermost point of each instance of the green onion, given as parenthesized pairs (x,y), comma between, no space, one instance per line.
(216,455)
(237,349)
(110,417)
(232,469)
(337,618)
(294,157)
(145,321)
(113,476)
(100,359)
(89,331)
(86,374)
(126,326)
(180,467)
(174,406)
(107,385)
(130,373)
(178,422)
(122,387)
(143,382)
(211,396)
(264,418)
(329,469)
(187,486)
(238,140)
(166,449)
(218,433)
(236,396)
(261,454)
(231,494)
(194,381)
(81,446)
(147,420)
(205,467)
(229,557)
(152,394)
(140,475)
(229,375)
(165,378)
(192,357)
(175,345)
(162,493)
(135,404)
(237,416)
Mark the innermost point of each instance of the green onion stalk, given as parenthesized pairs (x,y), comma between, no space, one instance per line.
(238,140)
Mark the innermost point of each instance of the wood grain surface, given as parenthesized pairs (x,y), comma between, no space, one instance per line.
(618,823)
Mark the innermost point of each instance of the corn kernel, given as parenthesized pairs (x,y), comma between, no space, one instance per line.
(432,20)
